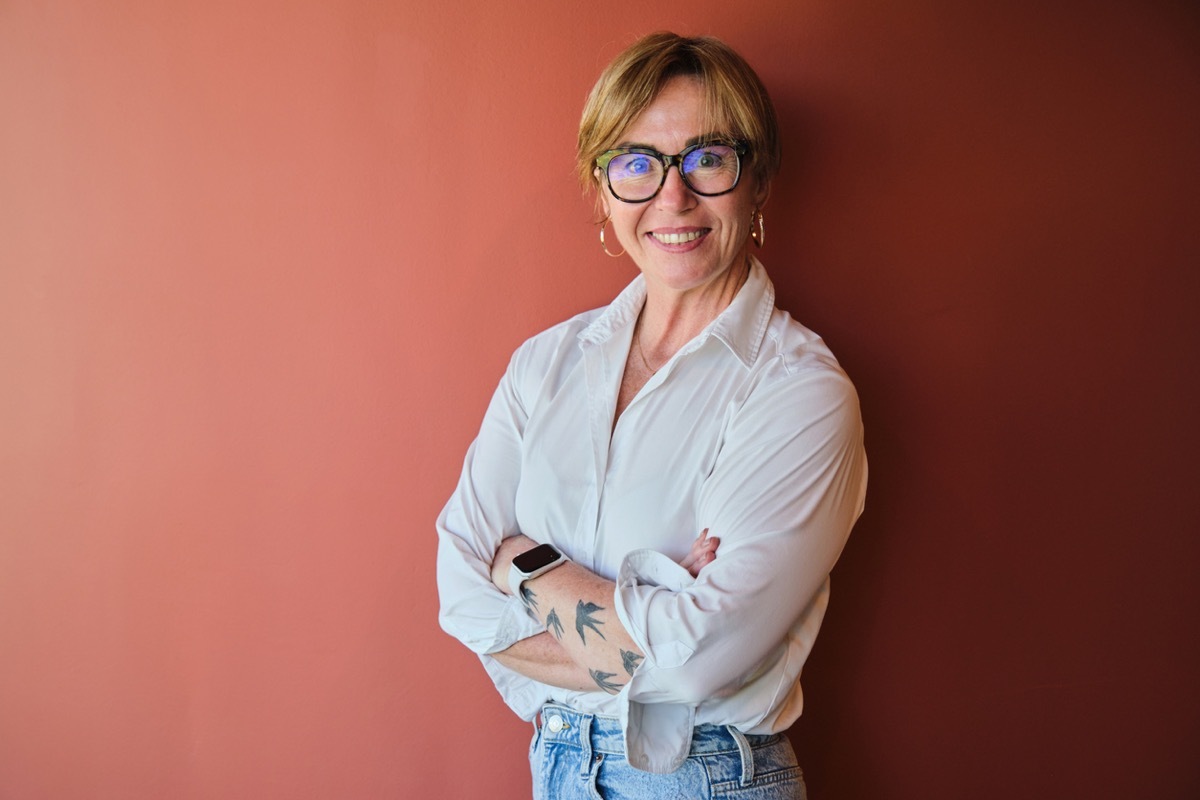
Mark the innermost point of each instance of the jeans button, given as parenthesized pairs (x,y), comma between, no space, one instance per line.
(556,724)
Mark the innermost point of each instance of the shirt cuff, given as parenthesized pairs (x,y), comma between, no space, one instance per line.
(644,574)
(515,624)
(658,735)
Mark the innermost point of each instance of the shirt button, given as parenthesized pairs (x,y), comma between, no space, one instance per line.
(556,724)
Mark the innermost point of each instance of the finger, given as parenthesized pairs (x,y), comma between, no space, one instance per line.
(702,547)
(701,563)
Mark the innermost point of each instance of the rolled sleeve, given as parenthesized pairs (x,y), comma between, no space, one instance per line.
(478,516)
(657,731)
(645,575)
(473,610)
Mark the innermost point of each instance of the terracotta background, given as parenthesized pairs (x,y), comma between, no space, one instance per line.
(262,263)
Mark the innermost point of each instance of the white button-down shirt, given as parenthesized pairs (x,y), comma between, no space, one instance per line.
(751,430)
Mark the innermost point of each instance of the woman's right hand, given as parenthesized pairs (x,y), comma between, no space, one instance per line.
(704,550)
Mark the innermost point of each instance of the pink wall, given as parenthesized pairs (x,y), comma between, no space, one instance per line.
(261,265)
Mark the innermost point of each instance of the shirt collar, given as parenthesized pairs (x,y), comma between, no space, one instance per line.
(741,326)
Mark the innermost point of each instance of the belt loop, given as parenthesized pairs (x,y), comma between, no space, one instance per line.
(585,743)
(746,753)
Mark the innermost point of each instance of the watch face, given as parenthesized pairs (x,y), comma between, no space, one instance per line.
(536,558)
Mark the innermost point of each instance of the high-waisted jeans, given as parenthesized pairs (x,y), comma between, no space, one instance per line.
(582,757)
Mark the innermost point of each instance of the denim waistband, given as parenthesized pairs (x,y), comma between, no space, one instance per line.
(604,735)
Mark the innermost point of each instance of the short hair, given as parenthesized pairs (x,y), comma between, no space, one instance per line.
(736,102)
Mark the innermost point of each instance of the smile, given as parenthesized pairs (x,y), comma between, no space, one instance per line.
(677,238)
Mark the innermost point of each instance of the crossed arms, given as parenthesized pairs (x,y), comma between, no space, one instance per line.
(584,646)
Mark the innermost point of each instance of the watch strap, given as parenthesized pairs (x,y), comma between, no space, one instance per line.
(516,577)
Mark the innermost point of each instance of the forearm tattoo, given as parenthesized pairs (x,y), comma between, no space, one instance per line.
(630,660)
(529,598)
(554,624)
(602,680)
(584,619)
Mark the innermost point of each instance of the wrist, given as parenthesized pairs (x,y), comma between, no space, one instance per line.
(508,549)
(532,563)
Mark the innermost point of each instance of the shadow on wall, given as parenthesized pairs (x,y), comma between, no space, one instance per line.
(990,217)
(830,736)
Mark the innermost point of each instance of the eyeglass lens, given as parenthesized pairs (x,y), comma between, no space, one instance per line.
(706,169)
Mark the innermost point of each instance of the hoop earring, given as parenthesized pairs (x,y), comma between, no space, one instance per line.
(603,246)
(759,236)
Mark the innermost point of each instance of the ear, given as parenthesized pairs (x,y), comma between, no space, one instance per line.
(601,195)
(761,194)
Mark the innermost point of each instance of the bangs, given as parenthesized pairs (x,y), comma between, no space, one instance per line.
(735,104)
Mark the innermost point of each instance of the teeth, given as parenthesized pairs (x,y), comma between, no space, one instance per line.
(677,238)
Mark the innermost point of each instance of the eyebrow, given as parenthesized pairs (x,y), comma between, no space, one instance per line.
(706,137)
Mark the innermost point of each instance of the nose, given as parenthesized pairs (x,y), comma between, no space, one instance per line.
(675,194)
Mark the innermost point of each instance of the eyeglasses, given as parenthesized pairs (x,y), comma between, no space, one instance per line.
(635,174)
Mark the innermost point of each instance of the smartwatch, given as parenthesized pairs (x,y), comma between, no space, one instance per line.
(532,563)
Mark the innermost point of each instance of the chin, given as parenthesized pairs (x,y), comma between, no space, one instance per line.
(684,274)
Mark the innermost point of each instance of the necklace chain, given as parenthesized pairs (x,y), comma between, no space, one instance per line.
(637,331)
(638,341)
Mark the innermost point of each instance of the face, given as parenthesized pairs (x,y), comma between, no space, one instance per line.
(682,241)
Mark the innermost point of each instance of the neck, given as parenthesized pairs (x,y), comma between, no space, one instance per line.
(670,320)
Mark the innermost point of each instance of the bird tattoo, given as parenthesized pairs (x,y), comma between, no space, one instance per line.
(602,680)
(554,624)
(584,619)
(529,598)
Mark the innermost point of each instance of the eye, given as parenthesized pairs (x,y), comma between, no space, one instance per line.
(636,164)
(708,159)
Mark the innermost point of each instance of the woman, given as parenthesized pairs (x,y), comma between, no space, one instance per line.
(691,455)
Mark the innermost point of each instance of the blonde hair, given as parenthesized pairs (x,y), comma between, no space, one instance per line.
(736,102)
